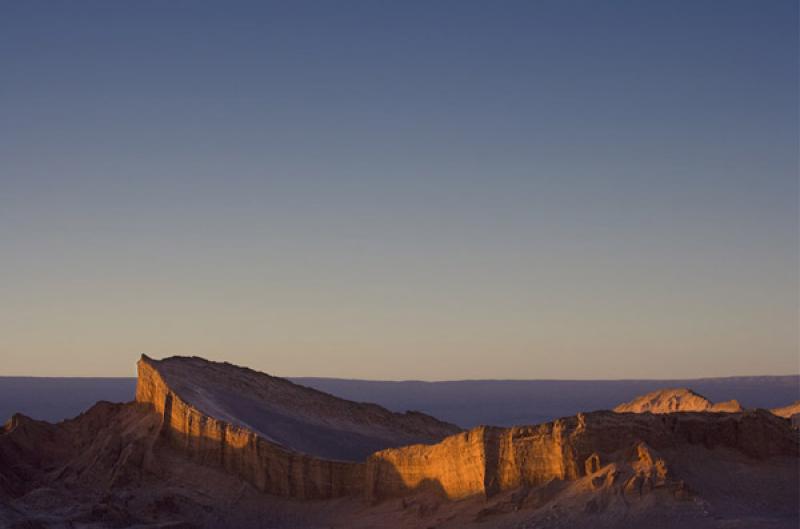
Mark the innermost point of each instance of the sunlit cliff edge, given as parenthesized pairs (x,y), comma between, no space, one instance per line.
(206,442)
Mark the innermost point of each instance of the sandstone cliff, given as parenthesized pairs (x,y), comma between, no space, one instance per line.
(488,460)
(299,418)
(188,454)
(284,439)
(674,400)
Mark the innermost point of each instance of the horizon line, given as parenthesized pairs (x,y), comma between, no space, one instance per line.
(438,381)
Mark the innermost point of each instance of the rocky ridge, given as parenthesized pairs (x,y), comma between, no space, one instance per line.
(232,417)
(676,400)
(787,411)
(791,412)
(187,454)
(489,460)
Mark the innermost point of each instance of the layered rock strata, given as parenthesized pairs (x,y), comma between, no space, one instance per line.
(268,466)
(200,432)
(486,460)
(299,418)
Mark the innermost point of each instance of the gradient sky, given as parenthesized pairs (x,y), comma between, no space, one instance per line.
(392,190)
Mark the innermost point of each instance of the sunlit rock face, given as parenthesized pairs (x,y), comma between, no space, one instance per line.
(676,400)
(283,438)
(791,412)
(292,441)
(787,411)
(485,461)
(456,467)
(209,445)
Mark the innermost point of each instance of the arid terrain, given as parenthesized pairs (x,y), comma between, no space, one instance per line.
(209,444)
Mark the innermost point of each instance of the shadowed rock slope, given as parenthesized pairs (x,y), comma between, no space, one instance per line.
(283,438)
(295,417)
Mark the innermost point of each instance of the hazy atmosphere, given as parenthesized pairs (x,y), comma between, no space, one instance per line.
(409,190)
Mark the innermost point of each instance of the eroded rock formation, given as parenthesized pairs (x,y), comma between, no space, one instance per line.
(230,416)
(487,460)
(674,400)
(210,445)
(787,411)
(791,412)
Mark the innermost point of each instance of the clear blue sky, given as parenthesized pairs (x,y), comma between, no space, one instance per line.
(434,190)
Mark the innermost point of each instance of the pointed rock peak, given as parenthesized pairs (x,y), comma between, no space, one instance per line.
(14,421)
(675,400)
(150,361)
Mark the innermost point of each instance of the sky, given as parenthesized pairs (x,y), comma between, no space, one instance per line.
(401,190)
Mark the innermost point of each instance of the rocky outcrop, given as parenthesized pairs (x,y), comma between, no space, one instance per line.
(791,412)
(485,461)
(456,467)
(207,445)
(298,418)
(676,400)
(208,426)
(787,411)
(285,439)
(268,466)
(107,446)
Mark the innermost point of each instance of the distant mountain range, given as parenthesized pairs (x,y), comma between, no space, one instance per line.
(466,403)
